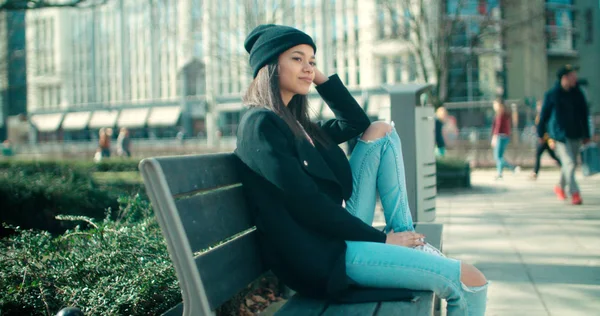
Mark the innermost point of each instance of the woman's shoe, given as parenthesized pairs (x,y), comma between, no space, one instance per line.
(430,250)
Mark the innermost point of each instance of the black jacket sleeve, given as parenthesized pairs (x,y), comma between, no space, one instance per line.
(266,149)
(547,109)
(350,119)
(584,115)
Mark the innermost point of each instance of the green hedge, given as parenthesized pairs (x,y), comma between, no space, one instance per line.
(32,201)
(33,192)
(115,268)
(58,166)
(450,164)
(452,173)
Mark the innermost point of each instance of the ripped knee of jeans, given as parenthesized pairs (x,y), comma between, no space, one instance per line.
(474,289)
(374,140)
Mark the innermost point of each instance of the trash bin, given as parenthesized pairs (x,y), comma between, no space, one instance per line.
(413,116)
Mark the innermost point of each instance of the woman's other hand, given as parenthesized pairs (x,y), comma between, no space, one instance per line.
(320,78)
(406,239)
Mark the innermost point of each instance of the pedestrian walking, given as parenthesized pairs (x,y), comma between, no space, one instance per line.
(546,145)
(501,130)
(104,135)
(124,143)
(564,117)
(441,115)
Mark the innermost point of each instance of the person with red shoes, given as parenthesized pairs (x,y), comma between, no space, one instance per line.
(565,118)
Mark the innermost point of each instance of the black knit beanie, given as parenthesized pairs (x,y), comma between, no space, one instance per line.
(266,42)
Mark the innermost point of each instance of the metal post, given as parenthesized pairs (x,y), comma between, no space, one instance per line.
(415,125)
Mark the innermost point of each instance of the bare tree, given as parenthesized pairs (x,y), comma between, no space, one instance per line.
(17,5)
(436,33)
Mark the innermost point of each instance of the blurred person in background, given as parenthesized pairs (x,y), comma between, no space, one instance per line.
(124,143)
(104,142)
(564,117)
(546,145)
(7,149)
(440,119)
(501,128)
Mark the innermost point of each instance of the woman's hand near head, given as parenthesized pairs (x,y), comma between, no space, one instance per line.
(320,78)
(406,239)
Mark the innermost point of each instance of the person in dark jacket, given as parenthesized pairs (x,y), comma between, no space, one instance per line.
(312,207)
(501,127)
(441,114)
(565,118)
(547,145)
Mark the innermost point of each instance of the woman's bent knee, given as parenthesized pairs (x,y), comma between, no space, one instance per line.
(376,130)
(471,276)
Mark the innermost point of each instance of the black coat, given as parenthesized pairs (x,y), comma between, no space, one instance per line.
(564,114)
(296,191)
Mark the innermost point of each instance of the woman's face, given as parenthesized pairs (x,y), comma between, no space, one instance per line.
(296,71)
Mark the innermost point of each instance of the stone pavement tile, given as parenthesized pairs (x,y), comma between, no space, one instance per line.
(513,296)
(562,258)
(509,271)
(569,273)
(515,311)
(542,255)
(571,299)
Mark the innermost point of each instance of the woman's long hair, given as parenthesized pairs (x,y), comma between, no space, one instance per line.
(264,92)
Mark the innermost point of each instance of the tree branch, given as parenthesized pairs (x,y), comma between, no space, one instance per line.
(20,5)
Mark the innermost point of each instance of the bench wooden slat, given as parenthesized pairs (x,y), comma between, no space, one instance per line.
(175,311)
(186,174)
(423,306)
(302,306)
(209,207)
(362,309)
(214,216)
(229,268)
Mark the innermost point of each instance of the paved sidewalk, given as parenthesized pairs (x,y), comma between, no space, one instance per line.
(541,255)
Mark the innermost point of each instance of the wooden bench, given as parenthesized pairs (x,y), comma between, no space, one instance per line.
(200,207)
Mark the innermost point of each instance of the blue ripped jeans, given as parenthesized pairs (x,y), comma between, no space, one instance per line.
(378,166)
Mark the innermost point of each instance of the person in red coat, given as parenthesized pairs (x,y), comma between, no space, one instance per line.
(501,127)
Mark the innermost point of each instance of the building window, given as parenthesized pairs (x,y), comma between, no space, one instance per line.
(43,46)
(383,69)
(412,68)
(346,70)
(48,97)
(395,21)
(559,25)
(398,69)
(406,28)
(357,65)
(380,20)
(589,26)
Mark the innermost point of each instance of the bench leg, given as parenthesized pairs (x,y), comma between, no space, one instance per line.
(437,304)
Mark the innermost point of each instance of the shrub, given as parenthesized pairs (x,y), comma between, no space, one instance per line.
(115,268)
(58,166)
(31,198)
(450,164)
(452,173)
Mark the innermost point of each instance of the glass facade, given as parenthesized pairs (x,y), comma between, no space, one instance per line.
(475,63)
(560,26)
